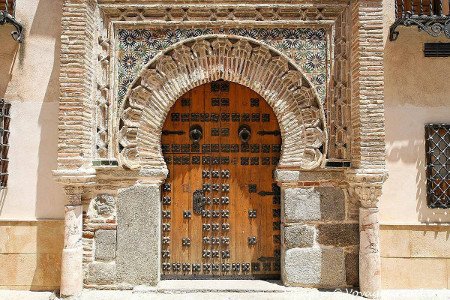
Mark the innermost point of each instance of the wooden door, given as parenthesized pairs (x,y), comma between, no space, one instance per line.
(220,204)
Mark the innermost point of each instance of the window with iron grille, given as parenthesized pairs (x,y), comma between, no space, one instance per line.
(4,144)
(438,165)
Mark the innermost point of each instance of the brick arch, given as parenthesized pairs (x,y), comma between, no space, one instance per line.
(196,61)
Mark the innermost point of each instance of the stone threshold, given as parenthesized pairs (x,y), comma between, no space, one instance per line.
(219,286)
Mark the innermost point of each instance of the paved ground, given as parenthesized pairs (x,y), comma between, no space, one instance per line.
(309,295)
(227,290)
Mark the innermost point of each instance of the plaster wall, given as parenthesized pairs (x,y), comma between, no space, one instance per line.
(29,81)
(416,92)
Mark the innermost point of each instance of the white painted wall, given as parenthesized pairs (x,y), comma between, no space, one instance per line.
(32,87)
(417,91)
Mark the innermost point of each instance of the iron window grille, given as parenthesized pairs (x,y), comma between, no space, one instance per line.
(437,139)
(4,142)
(431,16)
(8,15)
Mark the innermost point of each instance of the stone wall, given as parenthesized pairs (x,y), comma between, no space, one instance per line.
(319,245)
(320,229)
(30,254)
(320,239)
(100,240)
(415,256)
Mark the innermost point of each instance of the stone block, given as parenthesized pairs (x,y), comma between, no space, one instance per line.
(32,237)
(138,235)
(301,204)
(430,243)
(395,243)
(352,269)
(30,270)
(102,272)
(105,244)
(314,267)
(286,175)
(339,235)
(332,203)
(299,236)
(414,273)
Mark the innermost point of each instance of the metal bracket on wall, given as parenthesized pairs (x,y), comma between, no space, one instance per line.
(7,15)
(433,25)
(433,17)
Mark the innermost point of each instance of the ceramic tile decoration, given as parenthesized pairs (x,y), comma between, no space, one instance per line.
(307,47)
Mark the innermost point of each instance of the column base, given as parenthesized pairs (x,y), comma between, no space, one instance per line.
(72,272)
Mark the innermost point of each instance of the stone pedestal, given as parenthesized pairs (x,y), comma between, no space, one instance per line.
(72,256)
(369,253)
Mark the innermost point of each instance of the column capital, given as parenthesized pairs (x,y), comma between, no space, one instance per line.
(73,194)
(366,187)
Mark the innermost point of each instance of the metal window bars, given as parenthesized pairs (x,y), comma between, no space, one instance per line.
(4,142)
(431,16)
(437,139)
(8,15)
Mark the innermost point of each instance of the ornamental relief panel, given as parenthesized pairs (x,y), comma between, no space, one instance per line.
(208,58)
(314,39)
(307,47)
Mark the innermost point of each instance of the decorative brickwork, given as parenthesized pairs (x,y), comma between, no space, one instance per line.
(204,59)
(76,81)
(329,105)
(338,104)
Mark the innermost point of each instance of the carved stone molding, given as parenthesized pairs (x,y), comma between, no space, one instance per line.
(366,188)
(222,12)
(197,61)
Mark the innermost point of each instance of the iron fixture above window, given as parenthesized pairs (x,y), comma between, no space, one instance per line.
(431,16)
(437,139)
(8,15)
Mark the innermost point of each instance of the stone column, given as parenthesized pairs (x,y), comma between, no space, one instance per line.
(72,256)
(369,252)
(367,190)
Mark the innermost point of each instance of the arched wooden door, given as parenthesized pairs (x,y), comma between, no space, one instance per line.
(220,204)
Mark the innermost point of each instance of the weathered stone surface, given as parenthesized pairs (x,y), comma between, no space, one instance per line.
(102,206)
(102,272)
(332,203)
(71,271)
(138,232)
(338,234)
(301,204)
(314,267)
(105,244)
(352,269)
(299,236)
(333,267)
(286,175)
(369,251)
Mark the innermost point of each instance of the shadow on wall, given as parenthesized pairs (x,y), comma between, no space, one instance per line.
(47,23)
(416,93)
